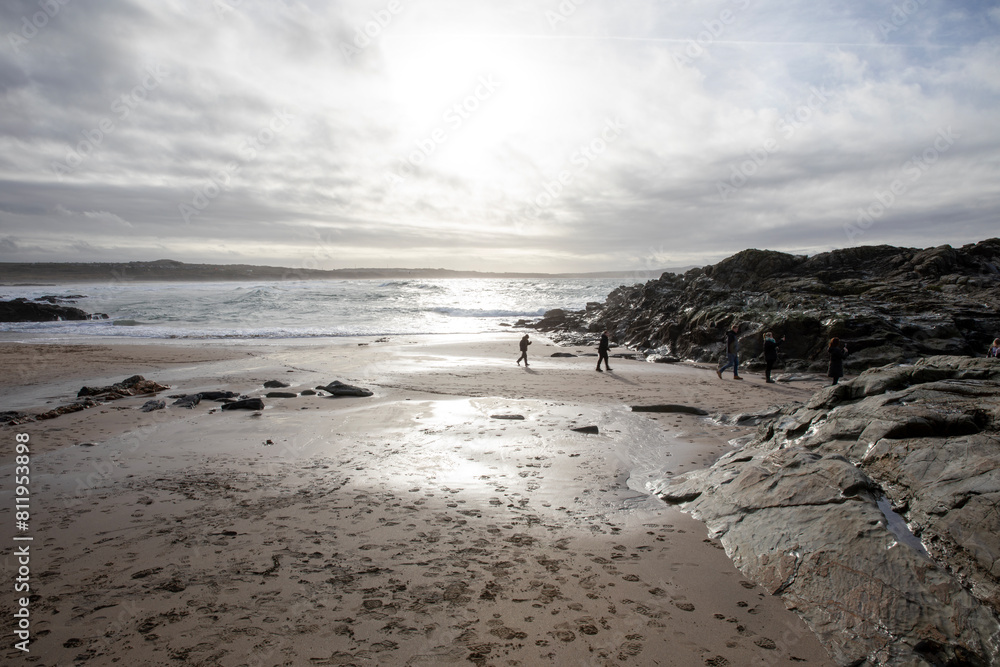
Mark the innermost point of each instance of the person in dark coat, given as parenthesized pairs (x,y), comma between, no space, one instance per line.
(837,352)
(770,354)
(602,351)
(524,351)
(732,353)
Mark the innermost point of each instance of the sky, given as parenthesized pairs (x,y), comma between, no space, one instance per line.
(581,135)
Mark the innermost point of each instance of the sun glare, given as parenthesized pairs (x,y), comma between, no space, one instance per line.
(448,87)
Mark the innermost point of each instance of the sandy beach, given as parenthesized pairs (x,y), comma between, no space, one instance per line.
(412,527)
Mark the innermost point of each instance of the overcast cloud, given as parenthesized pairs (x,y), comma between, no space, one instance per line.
(530,136)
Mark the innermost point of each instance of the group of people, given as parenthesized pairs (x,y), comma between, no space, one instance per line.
(602,351)
(836,350)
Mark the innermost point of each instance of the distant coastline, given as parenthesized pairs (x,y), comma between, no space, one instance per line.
(42,273)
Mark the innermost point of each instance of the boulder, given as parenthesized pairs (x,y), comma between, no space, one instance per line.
(132,386)
(245,404)
(275,384)
(188,401)
(149,406)
(280,394)
(338,388)
(871,511)
(592,430)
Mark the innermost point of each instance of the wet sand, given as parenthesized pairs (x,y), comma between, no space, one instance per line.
(410,527)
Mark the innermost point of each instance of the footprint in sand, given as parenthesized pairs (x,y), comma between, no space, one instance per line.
(564,635)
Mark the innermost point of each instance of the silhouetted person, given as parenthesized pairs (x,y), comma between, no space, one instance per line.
(602,351)
(770,354)
(732,352)
(524,351)
(837,352)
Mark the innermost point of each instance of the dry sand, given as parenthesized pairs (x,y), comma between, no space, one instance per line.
(410,527)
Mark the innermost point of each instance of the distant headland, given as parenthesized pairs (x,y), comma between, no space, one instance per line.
(13,273)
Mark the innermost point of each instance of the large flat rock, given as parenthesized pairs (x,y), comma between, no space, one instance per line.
(806,510)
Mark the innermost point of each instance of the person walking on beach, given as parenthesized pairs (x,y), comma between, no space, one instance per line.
(732,352)
(770,354)
(524,351)
(837,352)
(994,351)
(602,351)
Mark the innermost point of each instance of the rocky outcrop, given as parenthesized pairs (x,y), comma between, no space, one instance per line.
(132,386)
(22,310)
(871,510)
(890,305)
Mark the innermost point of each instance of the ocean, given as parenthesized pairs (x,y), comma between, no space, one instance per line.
(304,309)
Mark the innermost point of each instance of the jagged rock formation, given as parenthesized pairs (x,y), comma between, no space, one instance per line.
(889,304)
(130,386)
(872,510)
(22,310)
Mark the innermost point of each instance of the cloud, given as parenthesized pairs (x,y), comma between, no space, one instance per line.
(469,136)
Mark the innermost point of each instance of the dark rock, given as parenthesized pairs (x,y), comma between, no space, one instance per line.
(13,418)
(889,305)
(308,392)
(275,384)
(669,407)
(218,395)
(188,401)
(132,386)
(67,409)
(586,429)
(805,510)
(149,406)
(69,298)
(99,316)
(22,310)
(748,418)
(280,394)
(338,388)
(245,404)
(562,354)
(506,416)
